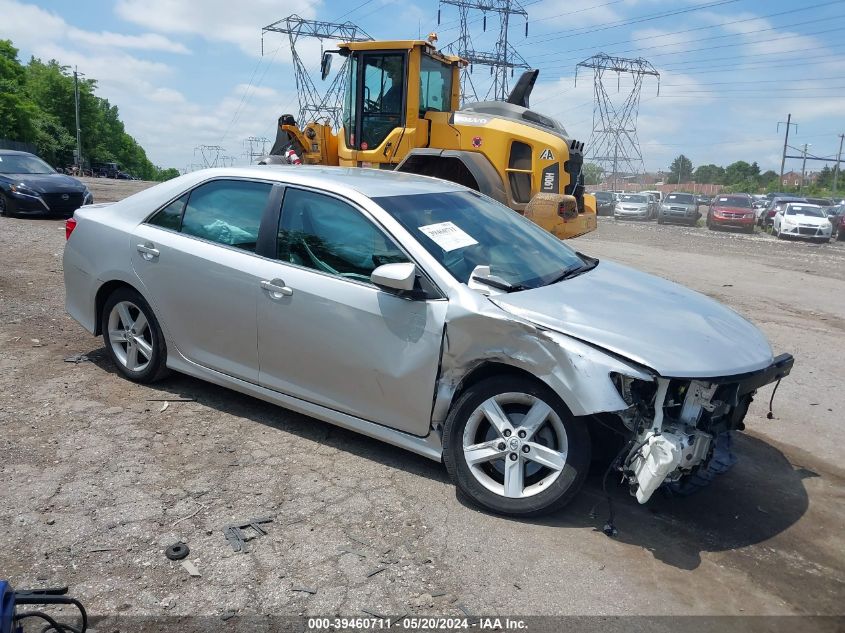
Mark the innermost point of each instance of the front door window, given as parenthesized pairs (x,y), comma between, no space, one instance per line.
(383,95)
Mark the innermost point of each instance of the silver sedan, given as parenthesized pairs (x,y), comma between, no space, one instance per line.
(423,314)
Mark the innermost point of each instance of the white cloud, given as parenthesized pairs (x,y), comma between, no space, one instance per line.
(29,26)
(237,23)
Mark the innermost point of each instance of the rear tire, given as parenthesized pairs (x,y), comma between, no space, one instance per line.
(133,337)
(494,464)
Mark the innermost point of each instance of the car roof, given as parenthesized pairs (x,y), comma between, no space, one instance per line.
(14,152)
(373,183)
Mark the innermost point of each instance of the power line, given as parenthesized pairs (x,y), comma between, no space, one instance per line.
(697,28)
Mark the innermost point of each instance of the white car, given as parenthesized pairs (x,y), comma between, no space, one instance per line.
(802,220)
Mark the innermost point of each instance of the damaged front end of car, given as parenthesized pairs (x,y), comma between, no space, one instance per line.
(675,423)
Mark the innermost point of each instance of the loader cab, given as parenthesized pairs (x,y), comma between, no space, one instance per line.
(390,88)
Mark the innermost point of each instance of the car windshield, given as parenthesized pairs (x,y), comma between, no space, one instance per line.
(23,164)
(463,230)
(733,201)
(603,195)
(813,212)
(633,198)
(681,198)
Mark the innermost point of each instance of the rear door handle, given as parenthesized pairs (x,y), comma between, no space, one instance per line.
(276,288)
(148,252)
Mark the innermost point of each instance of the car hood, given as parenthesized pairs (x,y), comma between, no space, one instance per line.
(673,330)
(680,205)
(46,183)
(634,205)
(807,219)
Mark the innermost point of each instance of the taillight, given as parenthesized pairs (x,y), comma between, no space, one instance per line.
(70,224)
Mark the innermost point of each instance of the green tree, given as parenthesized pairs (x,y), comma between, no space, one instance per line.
(17,112)
(742,172)
(709,174)
(680,170)
(592,174)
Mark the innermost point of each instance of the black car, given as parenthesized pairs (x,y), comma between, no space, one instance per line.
(836,215)
(29,185)
(605,202)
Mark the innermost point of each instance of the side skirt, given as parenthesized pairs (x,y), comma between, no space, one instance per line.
(428,446)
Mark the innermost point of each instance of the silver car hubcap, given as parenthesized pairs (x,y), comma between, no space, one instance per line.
(515,445)
(130,336)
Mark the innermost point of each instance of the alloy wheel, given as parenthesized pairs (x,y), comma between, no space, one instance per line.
(515,445)
(130,336)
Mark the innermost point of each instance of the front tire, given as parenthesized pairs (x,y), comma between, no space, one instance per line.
(512,446)
(4,207)
(133,337)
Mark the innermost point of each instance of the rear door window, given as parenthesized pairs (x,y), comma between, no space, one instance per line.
(227,212)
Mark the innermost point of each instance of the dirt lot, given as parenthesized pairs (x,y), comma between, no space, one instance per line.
(98,477)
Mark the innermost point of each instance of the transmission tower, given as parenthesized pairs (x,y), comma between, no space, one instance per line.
(254,142)
(614,145)
(314,106)
(505,57)
(211,155)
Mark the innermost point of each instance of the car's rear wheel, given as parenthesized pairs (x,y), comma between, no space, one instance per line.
(512,446)
(132,336)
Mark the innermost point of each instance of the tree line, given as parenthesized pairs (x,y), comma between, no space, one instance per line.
(37,106)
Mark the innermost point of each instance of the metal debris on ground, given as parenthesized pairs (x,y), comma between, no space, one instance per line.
(304,590)
(77,358)
(377,570)
(191,568)
(237,536)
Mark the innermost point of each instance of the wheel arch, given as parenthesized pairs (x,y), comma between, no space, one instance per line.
(469,169)
(495,368)
(103,293)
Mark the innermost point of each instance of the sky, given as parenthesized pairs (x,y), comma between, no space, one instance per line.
(186,73)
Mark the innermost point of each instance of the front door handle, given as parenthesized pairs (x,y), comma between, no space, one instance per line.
(148,252)
(276,288)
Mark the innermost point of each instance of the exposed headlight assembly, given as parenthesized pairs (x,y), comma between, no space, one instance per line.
(633,390)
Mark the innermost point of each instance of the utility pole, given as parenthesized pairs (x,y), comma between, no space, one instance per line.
(785,141)
(78,129)
(838,160)
(803,166)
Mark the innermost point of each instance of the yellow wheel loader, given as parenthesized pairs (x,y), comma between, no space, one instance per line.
(401,111)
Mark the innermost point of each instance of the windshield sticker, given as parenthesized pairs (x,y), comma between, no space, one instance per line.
(447,236)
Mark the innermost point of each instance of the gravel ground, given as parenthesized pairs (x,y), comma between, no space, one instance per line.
(98,477)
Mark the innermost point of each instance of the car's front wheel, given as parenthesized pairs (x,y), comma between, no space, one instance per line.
(512,446)
(132,336)
(4,206)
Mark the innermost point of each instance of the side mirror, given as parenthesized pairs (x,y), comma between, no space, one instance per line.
(325,65)
(395,276)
